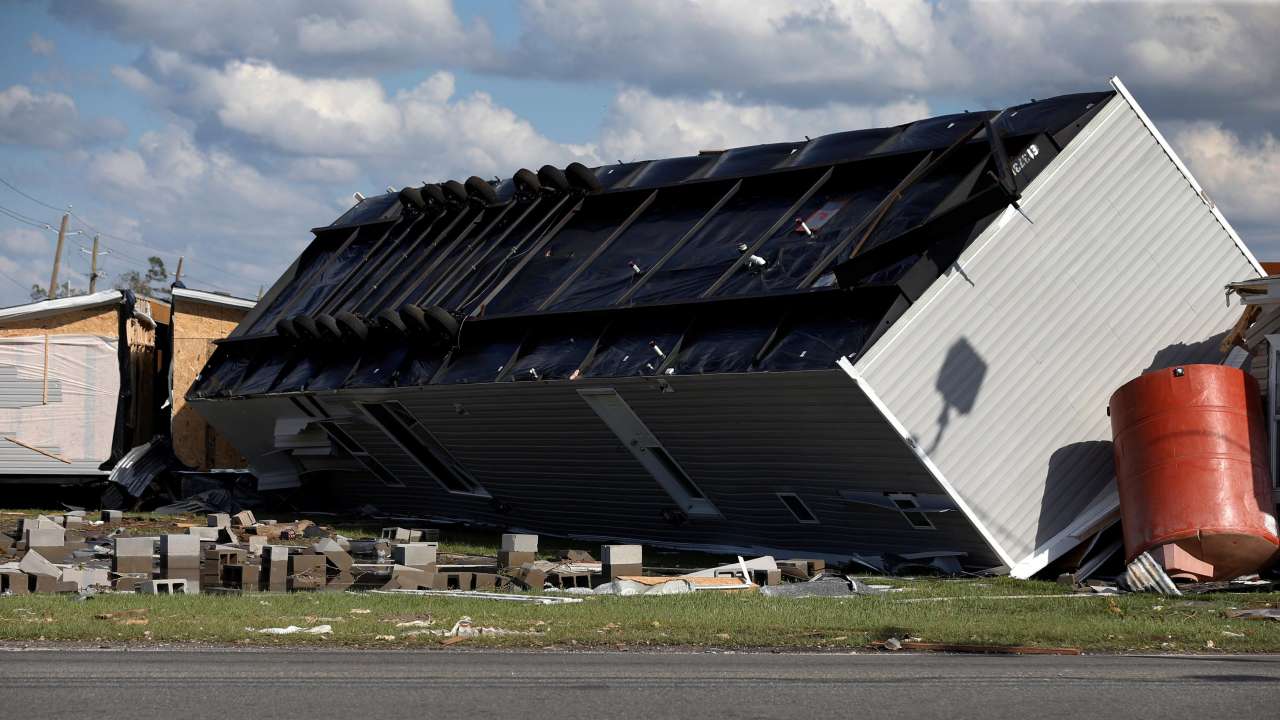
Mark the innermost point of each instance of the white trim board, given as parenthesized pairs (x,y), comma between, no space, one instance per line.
(210,298)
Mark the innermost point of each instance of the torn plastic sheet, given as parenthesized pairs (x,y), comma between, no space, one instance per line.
(308,268)
(503,256)
(371,209)
(382,365)
(477,248)
(622,265)
(342,264)
(758,204)
(447,255)
(934,133)
(261,375)
(478,362)
(598,218)
(792,252)
(841,147)
(378,259)
(669,171)
(555,356)
(337,366)
(752,160)
(391,291)
(638,347)
(818,342)
(68,405)
(722,343)
(222,374)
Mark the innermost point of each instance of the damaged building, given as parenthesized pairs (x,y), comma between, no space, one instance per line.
(888,343)
(77,384)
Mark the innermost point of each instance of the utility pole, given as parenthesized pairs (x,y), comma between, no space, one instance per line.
(57,256)
(177,276)
(93,267)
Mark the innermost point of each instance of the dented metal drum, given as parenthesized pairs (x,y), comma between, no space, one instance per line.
(1192,469)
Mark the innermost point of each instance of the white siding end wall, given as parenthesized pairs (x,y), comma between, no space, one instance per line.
(1000,374)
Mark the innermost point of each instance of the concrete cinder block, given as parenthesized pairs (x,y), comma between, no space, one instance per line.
(519,543)
(218,520)
(175,546)
(169,586)
(622,554)
(33,563)
(86,578)
(509,559)
(136,546)
(14,582)
(40,521)
(244,518)
(44,537)
(111,516)
(416,555)
(307,572)
(397,534)
(204,533)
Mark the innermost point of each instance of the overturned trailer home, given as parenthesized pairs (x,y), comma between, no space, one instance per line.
(886,343)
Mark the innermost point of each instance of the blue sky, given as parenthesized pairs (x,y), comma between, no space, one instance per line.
(222,132)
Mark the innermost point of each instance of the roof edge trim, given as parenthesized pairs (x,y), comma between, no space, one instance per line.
(50,307)
(924,459)
(1177,161)
(213,298)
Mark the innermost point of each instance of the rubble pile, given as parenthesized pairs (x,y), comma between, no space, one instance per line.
(237,553)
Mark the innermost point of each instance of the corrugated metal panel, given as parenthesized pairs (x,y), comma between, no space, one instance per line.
(553,466)
(1003,369)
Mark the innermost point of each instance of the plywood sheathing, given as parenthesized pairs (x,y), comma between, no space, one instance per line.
(103,321)
(195,326)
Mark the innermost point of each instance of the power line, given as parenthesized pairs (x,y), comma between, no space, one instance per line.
(24,218)
(80,219)
(10,278)
(12,187)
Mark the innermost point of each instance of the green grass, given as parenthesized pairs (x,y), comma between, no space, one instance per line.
(975,614)
(963,611)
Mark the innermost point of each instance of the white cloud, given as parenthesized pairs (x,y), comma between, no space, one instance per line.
(206,204)
(641,125)
(34,118)
(1241,176)
(307,36)
(41,45)
(424,132)
(814,52)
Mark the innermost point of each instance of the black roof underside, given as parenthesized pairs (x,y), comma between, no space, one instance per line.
(784,256)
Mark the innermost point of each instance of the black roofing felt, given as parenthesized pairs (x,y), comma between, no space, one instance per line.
(772,257)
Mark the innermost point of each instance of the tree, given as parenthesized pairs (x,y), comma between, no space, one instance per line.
(148,283)
(64,290)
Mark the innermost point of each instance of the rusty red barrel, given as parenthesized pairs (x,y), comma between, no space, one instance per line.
(1192,468)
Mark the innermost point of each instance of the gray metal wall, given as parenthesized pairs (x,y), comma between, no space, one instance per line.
(1002,371)
(542,452)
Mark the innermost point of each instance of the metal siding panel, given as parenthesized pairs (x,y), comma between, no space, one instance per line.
(540,450)
(1122,267)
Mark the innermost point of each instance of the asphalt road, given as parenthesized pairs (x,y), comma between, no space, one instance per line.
(220,683)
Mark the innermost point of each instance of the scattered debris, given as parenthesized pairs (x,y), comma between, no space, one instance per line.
(1269,613)
(821,586)
(1144,574)
(293,629)
(507,597)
